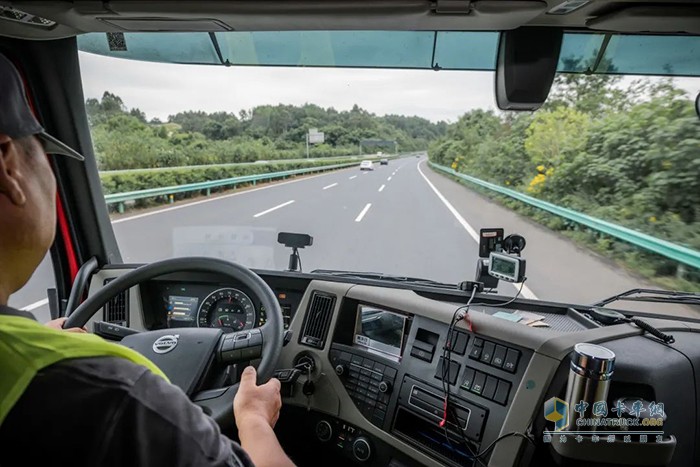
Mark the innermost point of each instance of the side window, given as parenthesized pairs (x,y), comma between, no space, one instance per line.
(32,297)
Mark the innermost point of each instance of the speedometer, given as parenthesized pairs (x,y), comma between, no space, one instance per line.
(229,309)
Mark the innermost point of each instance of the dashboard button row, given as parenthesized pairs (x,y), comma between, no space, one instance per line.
(486,386)
(496,355)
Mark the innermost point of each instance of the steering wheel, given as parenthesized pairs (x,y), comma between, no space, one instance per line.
(185,354)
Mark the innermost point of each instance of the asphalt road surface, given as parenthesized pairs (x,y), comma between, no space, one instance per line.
(401,219)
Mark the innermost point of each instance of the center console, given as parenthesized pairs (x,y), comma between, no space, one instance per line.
(394,368)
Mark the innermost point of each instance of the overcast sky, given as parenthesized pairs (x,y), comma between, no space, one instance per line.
(164,89)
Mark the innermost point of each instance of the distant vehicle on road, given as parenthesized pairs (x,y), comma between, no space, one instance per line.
(384,162)
(366,165)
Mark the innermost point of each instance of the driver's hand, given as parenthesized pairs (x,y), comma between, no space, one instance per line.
(257,402)
(58,324)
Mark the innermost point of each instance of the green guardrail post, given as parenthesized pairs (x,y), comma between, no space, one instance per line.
(253,182)
(120,208)
(208,191)
(171,199)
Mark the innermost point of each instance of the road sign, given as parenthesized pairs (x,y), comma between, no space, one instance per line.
(315,136)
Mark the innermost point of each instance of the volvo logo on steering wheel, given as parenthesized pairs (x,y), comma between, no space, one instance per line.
(165,344)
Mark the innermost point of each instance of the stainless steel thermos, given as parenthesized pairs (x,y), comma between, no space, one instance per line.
(589,380)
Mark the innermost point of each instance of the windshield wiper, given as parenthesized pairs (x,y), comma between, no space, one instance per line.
(385,277)
(653,295)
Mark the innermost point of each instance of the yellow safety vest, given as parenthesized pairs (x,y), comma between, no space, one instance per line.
(27,347)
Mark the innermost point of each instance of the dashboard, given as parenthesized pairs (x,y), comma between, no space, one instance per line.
(380,371)
(231,307)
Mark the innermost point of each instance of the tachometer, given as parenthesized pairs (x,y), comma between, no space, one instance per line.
(229,309)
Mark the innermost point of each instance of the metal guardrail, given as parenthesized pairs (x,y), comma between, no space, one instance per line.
(121,198)
(237,164)
(665,248)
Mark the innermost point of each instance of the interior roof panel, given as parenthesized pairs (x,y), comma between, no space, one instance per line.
(76,17)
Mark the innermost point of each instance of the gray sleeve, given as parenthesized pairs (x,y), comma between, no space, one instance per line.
(157,425)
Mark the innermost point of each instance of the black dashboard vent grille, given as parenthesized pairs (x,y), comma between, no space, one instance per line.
(318,317)
(116,310)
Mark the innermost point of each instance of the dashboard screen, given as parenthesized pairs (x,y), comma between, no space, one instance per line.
(380,331)
(182,310)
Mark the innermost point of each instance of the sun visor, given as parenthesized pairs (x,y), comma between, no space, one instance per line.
(655,19)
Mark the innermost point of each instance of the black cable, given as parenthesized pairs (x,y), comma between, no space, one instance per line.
(522,284)
(666,338)
(507,435)
(446,359)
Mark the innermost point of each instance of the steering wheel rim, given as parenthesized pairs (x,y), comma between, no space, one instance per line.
(272,330)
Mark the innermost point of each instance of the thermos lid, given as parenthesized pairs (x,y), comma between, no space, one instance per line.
(593,361)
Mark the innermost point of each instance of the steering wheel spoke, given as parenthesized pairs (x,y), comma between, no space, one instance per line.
(241,346)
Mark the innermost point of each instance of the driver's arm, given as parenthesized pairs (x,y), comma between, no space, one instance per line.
(257,409)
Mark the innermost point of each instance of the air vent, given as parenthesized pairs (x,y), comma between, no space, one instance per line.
(116,310)
(317,320)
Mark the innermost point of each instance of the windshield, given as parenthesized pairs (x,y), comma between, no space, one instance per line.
(392,167)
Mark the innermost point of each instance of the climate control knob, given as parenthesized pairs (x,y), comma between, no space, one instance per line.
(340,369)
(324,431)
(385,387)
(361,449)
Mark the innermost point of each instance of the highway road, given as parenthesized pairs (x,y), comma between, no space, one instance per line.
(401,219)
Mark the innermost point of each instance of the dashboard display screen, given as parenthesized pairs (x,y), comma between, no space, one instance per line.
(380,331)
(182,309)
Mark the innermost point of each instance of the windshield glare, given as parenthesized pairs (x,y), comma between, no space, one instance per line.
(395,171)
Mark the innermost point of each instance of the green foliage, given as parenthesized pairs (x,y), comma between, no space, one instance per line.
(125,139)
(629,156)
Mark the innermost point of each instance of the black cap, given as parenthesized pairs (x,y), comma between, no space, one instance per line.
(16,117)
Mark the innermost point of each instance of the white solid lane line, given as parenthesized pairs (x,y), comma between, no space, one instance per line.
(354,176)
(36,305)
(330,186)
(526,292)
(363,212)
(381,188)
(274,209)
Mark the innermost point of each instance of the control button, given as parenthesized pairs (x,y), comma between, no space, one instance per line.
(345,357)
(367,363)
(231,355)
(460,340)
(376,376)
(368,410)
(377,420)
(373,390)
(510,363)
(324,431)
(468,379)
(385,387)
(255,338)
(361,449)
(478,342)
(452,371)
(487,353)
(364,380)
(357,360)
(390,373)
(365,372)
(379,367)
(421,354)
(475,352)
(381,406)
(227,344)
(502,391)
(361,391)
(383,398)
(340,369)
(498,356)
(490,387)
(478,384)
